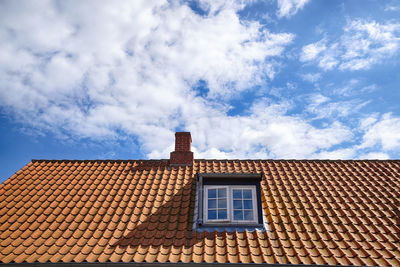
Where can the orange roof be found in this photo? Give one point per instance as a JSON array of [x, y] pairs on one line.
[[318, 212]]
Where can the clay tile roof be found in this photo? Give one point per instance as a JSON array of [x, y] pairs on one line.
[[318, 212]]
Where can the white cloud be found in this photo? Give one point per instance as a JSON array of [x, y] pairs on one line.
[[345, 153], [322, 107], [328, 60], [384, 132], [311, 77], [392, 8], [354, 87], [348, 89], [374, 155], [317, 99], [369, 88], [215, 6], [362, 44], [288, 8], [368, 121], [367, 43], [312, 51], [267, 133]]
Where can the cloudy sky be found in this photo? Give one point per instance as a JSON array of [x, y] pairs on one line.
[[303, 79]]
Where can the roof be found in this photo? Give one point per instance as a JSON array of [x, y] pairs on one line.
[[318, 212]]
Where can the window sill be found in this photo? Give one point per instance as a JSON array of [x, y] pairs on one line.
[[233, 224], [230, 228]]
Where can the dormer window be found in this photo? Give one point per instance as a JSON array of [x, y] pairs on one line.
[[228, 201], [236, 204]]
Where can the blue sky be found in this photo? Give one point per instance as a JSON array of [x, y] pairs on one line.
[[292, 79]]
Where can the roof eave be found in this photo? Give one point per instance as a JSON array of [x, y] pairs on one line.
[[158, 264]]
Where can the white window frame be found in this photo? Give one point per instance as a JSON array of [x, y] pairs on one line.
[[229, 192], [208, 187]]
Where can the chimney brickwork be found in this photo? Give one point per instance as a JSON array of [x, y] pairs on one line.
[[182, 154]]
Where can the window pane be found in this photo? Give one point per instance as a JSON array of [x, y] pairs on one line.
[[237, 204], [212, 214], [222, 214], [248, 215], [221, 192], [222, 203], [247, 194], [248, 204], [237, 193], [212, 203], [237, 215], [212, 193]]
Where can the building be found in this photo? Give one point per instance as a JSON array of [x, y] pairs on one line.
[[201, 212]]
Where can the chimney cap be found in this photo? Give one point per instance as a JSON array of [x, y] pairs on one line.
[[183, 134]]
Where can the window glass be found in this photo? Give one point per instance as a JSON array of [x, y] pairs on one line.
[[237, 194], [247, 204], [248, 215], [246, 193], [217, 204], [237, 204], [222, 203], [212, 193], [212, 214], [222, 214], [212, 203], [242, 204], [237, 215], [221, 192]]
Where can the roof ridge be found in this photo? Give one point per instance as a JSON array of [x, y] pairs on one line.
[[300, 160], [269, 160], [94, 160]]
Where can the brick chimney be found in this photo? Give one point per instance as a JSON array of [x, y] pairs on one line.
[[182, 154]]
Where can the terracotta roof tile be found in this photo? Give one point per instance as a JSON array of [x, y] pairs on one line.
[[318, 212]]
